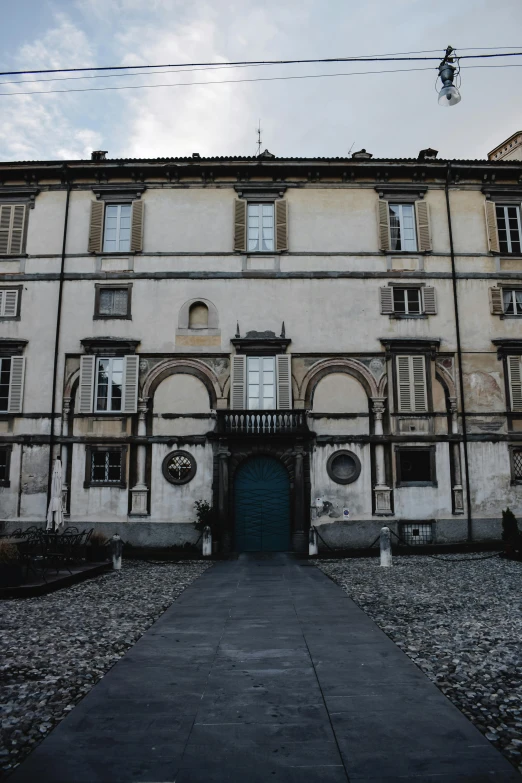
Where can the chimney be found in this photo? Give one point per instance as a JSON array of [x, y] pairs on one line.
[[97, 155], [362, 154], [428, 154], [196, 155]]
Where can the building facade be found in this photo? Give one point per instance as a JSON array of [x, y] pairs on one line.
[[295, 341]]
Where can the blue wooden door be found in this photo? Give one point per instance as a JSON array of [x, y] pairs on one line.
[[262, 506]]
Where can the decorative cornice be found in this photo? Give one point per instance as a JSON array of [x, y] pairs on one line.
[[398, 191], [109, 346], [10, 346], [262, 343], [19, 193], [411, 345], [122, 192], [260, 190], [507, 346]]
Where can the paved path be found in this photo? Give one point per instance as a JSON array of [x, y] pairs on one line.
[[263, 670]]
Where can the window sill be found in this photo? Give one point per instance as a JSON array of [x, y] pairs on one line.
[[402, 484], [115, 254], [10, 318], [402, 316], [13, 257], [510, 317], [8, 484], [113, 484], [112, 318]]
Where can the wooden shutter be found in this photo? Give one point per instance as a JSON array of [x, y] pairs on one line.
[[515, 382], [430, 300], [284, 381], [16, 384], [422, 214], [138, 210], [131, 369], [9, 305], [238, 383], [12, 226], [386, 300], [86, 387], [96, 227], [419, 383], [240, 225], [491, 226], [496, 301], [383, 217], [281, 224], [411, 384]]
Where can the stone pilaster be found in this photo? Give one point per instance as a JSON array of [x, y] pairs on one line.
[[139, 491], [382, 492]]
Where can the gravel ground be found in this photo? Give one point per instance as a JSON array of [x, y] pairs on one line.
[[54, 648], [461, 622]]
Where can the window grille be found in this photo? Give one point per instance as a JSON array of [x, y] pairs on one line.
[[106, 467], [417, 534], [517, 464], [113, 301]]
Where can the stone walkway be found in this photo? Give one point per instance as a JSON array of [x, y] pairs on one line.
[[264, 670]]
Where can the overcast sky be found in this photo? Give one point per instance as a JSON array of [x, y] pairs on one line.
[[391, 115]]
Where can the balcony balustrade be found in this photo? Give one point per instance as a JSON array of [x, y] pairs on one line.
[[270, 422]]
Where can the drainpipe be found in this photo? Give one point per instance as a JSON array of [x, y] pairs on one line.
[[57, 341], [459, 355]]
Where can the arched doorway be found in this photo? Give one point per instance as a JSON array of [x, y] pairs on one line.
[[262, 506]]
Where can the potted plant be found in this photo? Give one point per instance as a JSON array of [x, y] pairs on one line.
[[206, 516], [97, 550], [11, 573]]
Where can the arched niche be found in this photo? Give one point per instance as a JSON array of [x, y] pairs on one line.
[[195, 306], [193, 367], [322, 369], [339, 393], [198, 316], [181, 393]]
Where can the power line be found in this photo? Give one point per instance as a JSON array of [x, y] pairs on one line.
[[242, 81], [371, 58]]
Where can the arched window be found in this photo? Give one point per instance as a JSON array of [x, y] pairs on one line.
[[198, 316]]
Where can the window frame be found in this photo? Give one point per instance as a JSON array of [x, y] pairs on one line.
[[165, 467], [119, 204], [14, 202], [261, 203], [98, 288], [90, 450], [400, 482], [261, 370], [401, 205], [406, 288], [19, 289], [504, 207], [427, 379], [4, 358], [7, 450], [108, 410], [512, 448], [512, 291]]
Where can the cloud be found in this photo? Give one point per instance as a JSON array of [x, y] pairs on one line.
[[33, 127]]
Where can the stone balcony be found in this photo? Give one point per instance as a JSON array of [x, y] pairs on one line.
[[269, 422]]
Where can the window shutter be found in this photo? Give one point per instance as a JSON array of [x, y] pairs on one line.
[[495, 301], [284, 381], [403, 383], [515, 382], [130, 383], [9, 302], [138, 210], [96, 227], [281, 224], [238, 383], [491, 226], [383, 216], [411, 384], [12, 224], [419, 383], [430, 300], [386, 301], [86, 388], [240, 225], [422, 214], [16, 384]]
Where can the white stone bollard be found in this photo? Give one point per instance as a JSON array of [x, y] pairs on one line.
[[386, 553], [207, 542], [313, 548], [116, 549]]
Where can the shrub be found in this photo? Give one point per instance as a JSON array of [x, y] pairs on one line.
[[8, 553], [206, 515]]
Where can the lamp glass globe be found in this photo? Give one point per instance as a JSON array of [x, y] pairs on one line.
[[449, 96]]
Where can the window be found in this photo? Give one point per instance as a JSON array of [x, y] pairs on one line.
[[109, 382], [512, 301], [5, 380], [343, 467], [411, 384], [415, 466], [10, 302], [261, 386], [509, 228], [105, 466], [402, 227], [12, 229], [5, 462], [515, 382], [260, 228], [417, 534], [179, 467], [117, 232], [516, 465], [407, 301], [112, 301]]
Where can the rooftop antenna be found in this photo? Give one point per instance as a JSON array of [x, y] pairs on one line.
[[259, 138], [350, 150]]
